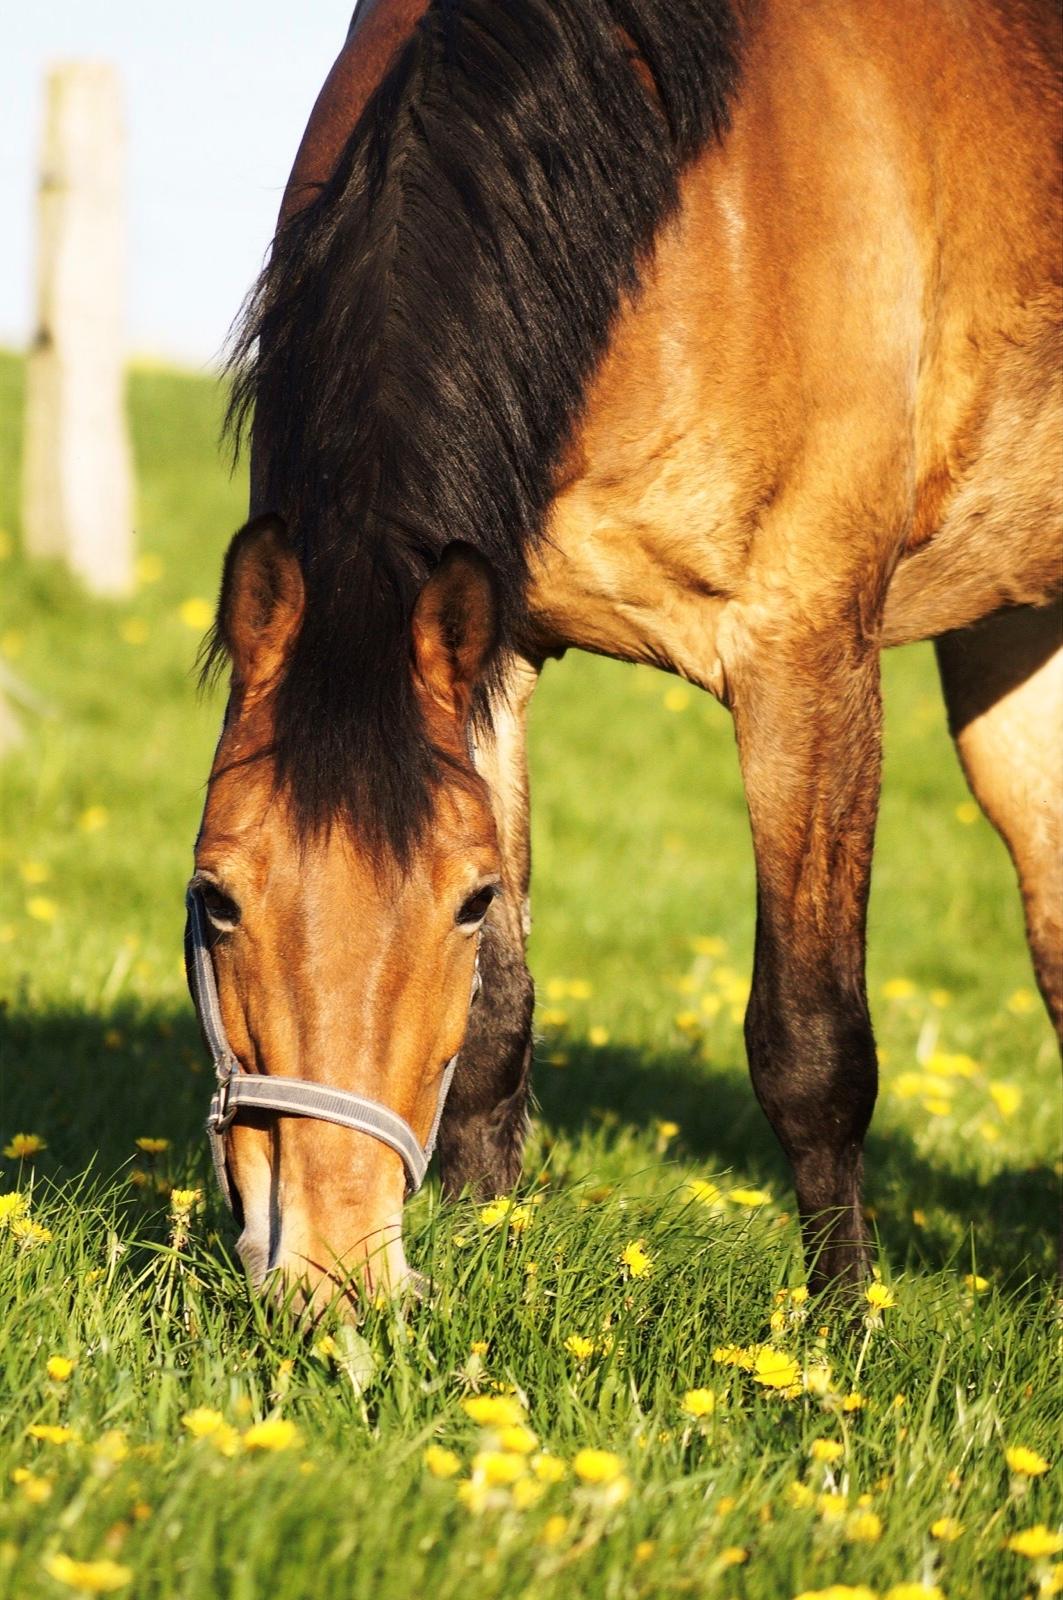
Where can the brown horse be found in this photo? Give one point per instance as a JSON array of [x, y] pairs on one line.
[[716, 334]]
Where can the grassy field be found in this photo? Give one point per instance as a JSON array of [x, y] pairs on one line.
[[698, 1429]]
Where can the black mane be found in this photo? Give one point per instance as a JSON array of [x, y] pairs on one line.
[[417, 349]]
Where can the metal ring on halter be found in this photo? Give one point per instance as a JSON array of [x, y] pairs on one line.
[[291, 1096]]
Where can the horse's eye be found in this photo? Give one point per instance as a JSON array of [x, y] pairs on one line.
[[474, 910], [222, 911]]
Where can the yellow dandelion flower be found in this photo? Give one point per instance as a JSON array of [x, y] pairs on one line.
[[93, 818], [1006, 1097], [750, 1197], [700, 1189], [908, 1085], [775, 1369], [940, 998], [152, 1147], [838, 1592], [133, 630], [23, 1145], [636, 1259], [854, 1402], [919, 1217], [553, 1018], [34, 872], [666, 1129], [711, 1005], [826, 1450], [951, 1064], [498, 1467], [732, 1555], [548, 1469], [597, 1036], [226, 1441], [976, 1284], [580, 989], [202, 1422], [934, 1106], [1021, 1002], [553, 1530], [517, 1439], [863, 1527], [578, 1345], [687, 1021], [1037, 1542], [947, 1529], [441, 1463], [184, 1201], [914, 1591], [676, 699], [832, 1507], [799, 1496], [1025, 1463], [479, 1347], [526, 1492], [967, 813], [60, 1367], [276, 1433], [109, 1450], [735, 1355], [725, 1505], [196, 613], [597, 1466], [35, 1489], [493, 1410], [475, 1495], [31, 1232], [699, 1402], [879, 1297], [898, 989], [87, 1577], [52, 1433], [644, 1550], [41, 909]]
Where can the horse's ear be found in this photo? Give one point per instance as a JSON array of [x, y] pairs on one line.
[[262, 599], [454, 631]]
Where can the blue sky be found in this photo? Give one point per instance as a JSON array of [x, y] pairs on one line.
[[217, 96]]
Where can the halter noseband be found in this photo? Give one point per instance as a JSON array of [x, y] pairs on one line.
[[244, 1091]]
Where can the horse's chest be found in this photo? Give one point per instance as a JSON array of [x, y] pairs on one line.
[[641, 567]]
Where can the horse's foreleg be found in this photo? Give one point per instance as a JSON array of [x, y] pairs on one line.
[[481, 1137], [808, 719]]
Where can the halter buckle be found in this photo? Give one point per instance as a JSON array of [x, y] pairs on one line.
[[223, 1105]]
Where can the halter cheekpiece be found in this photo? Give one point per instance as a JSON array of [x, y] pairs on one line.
[[238, 1090]]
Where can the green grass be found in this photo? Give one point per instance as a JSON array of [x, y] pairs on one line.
[[641, 846]]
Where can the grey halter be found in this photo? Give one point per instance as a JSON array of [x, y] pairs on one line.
[[244, 1091]]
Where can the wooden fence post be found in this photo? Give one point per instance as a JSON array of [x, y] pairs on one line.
[[77, 483]]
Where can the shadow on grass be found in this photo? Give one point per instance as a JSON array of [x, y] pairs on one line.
[[91, 1086], [1006, 1223]]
